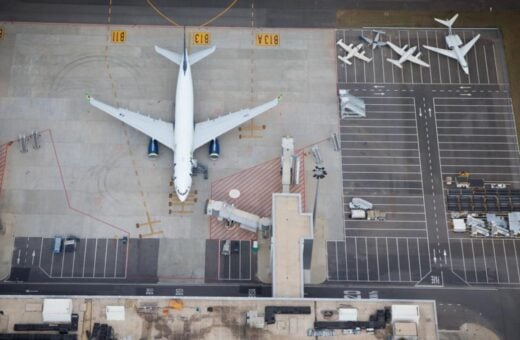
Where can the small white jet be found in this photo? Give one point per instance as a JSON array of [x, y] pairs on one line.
[[352, 51], [184, 137], [457, 49], [376, 42], [406, 54]]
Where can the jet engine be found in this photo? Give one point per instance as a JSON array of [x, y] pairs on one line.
[[153, 148], [214, 149]]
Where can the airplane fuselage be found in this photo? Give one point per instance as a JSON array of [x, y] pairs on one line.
[[183, 131], [461, 59]]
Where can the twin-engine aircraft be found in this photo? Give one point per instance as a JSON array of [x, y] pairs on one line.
[[457, 49], [185, 136], [352, 51], [406, 54]]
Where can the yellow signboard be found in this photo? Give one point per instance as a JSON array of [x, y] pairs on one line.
[[267, 39], [201, 38], [1, 33], [118, 36]]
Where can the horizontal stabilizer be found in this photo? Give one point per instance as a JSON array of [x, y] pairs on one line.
[[175, 57], [345, 60], [198, 56], [448, 23], [395, 62]]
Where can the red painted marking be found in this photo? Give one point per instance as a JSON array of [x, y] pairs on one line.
[[256, 186]]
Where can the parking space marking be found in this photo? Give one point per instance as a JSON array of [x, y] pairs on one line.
[[505, 258], [356, 271], [516, 259]]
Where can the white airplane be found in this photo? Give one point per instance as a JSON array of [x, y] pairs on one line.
[[352, 51], [184, 137], [406, 55], [457, 49], [376, 42]]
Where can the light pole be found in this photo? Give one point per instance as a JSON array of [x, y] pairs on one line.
[[319, 172]]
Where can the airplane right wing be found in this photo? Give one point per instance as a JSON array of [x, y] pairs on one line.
[[154, 128], [210, 129], [447, 53], [465, 49], [418, 61], [362, 56], [369, 41]]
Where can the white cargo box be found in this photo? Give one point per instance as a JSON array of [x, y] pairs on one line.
[[348, 314], [57, 310], [407, 313], [358, 214], [459, 226], [115, 313]]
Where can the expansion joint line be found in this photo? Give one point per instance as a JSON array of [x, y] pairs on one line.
[[125, 128]]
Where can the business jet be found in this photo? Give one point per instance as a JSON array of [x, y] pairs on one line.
[[352, 51], [184, 137], [406, 54], [376, 42], [457, 49]]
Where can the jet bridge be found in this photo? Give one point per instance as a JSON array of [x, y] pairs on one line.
[[224, 211]]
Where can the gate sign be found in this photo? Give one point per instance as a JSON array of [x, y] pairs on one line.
[[201, 38], [267, 39], [118, 36]]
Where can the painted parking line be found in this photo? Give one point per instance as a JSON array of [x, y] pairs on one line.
[[486, 261], [235, 266], [91, 259], [374, 259]]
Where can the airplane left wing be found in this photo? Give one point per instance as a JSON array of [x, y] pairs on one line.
[[447, 53], [396, 49], [154, 128], [210, 129]]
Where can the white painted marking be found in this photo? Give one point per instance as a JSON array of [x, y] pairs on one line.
[[495, 256], [463, 261], [85, 257], [516, 259], [115, 258], [485, 62], [505, 258], [95, 255], [105, 264], [377, 259]]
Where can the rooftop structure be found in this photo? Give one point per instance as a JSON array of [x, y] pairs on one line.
[[291, 230]]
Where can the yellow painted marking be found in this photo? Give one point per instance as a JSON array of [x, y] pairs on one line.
[[252, 128], [201, 38], [178, 207], [171, 21], [118, 36], [267, 39], [1, 33]]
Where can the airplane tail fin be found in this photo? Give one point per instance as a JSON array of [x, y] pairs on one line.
[[448, 23], [395, 62]]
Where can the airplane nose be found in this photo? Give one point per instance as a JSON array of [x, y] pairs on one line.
[[182, 194]]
